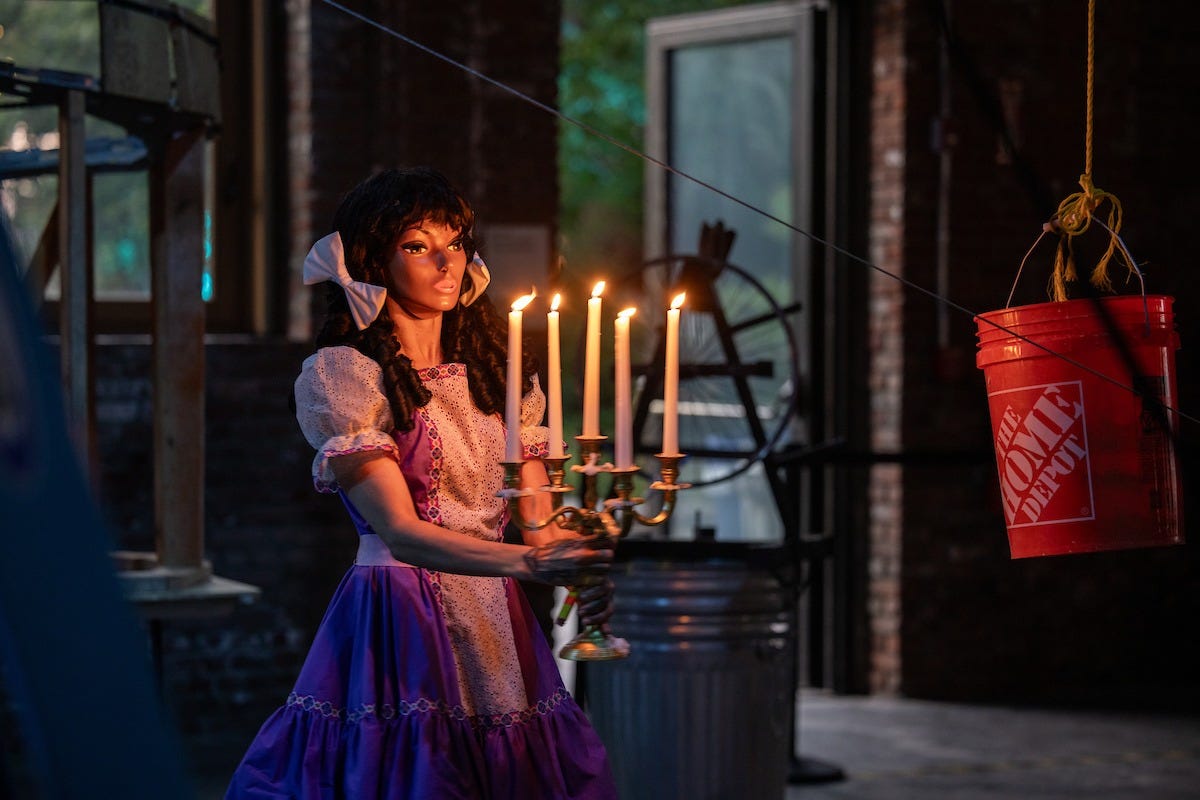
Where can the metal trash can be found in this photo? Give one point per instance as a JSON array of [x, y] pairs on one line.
[[700, 708]]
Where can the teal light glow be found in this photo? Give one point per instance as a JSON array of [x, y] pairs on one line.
[[207, 236], [206, 283]]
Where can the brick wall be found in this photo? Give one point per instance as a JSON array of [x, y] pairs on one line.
[[886, 313], [379, 102], [264, 525], [971, 622], [298, 37]]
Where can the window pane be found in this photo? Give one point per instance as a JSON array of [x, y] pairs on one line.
[[28, 203], [122, 236], [731, 127], [120, 205]]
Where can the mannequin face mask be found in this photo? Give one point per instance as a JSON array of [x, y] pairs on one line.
[[425, 274]]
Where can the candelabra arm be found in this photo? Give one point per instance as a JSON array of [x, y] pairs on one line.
[[626, 505], [664, 513], [567, 517]]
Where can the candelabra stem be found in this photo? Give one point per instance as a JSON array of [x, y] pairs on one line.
[[595, 643], [606, 524]]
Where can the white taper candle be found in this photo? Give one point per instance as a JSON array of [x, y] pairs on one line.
[[512, 404], [554, 380], [670, 437], [591, 367], [623, 423]]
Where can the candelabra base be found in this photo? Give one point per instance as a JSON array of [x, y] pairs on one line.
[[594, 644]]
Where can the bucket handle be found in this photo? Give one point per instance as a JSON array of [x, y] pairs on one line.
[[1047, 227]]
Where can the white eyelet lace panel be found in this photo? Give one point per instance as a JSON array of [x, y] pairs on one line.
[[481, 638], [341, 408], [405, 708]]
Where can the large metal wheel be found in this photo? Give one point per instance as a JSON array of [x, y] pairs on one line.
[[739, 378]]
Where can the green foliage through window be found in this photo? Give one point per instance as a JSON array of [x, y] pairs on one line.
[[601, 83]]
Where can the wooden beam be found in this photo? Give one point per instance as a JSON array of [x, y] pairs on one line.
[[45, 259], [197, 72], [135, 54], [74, 248], [177, 266], [259, 166]]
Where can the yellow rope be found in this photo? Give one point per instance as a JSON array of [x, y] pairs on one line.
[[1074, 215], [1091, 71]]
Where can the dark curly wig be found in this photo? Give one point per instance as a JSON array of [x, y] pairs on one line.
[[370, 220]]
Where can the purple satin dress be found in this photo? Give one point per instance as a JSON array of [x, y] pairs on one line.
[[422, 684]]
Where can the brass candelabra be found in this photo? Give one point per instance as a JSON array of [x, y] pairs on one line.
[[608, 520]]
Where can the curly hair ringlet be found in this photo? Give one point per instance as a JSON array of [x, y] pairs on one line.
[[370, 220]]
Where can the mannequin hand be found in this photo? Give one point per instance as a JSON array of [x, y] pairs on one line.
[[569, 562]]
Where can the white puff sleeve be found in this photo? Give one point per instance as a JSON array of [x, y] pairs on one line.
[[534, 436], [341, 409]]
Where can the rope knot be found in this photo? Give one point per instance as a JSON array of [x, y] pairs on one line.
[[1074, 217], [1075, 213]]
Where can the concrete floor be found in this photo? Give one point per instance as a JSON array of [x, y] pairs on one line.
[[898, 749]]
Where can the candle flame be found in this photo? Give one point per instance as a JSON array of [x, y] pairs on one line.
[[678, 301], [554, 302], [599, 290], [627, 313], [520, 303]]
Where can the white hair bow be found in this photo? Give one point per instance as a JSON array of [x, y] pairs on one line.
[[326, 262], [480, 278]]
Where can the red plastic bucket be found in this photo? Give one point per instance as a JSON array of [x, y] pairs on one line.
[[1084, 464]]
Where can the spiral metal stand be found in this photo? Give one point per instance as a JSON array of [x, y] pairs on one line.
[[606, 521]]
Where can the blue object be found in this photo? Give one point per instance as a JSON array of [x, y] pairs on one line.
[[75, 664]]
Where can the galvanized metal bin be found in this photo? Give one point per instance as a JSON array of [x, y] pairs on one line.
[[701, 706]]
